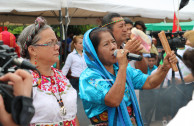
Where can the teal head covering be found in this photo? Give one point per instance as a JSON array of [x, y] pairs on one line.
[[117, 116]]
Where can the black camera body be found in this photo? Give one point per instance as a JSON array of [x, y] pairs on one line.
[[5, 90], [20, 107], [7, 93], [175, 39]]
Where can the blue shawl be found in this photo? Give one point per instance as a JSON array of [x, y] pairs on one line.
[[117, 116]]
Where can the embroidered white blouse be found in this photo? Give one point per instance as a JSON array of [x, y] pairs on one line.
[[47, 109]]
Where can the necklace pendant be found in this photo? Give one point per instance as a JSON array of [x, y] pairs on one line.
[[63, 111]]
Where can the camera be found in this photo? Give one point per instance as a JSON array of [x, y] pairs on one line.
[[175, 39], [20, 107], [5, 90]]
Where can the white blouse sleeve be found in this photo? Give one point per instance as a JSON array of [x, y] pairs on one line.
[[67, 65]]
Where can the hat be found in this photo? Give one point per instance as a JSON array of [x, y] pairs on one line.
[[154, 50], [10, 40], [189, 35]]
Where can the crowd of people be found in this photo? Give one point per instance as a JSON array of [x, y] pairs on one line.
[[113, 89]]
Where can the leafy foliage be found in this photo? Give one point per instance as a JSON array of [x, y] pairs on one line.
[[75, 29], [14, 29]]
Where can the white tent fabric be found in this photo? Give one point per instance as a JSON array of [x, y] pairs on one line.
[[29, 5], [159, 9], [91, 11]]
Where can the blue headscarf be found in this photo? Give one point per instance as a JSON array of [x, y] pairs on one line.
[[119, 113]]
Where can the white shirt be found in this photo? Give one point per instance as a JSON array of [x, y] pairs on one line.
[[47, 109], [185, 116], [76, 62]]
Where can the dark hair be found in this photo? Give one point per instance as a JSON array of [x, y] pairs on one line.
[[94, 36], [141, 23], [108, 18], [189, 60], [128, 21], [152, 55]]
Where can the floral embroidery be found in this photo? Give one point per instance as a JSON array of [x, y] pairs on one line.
[[130, 110], [64, 123], [92, 81], [56, 82], [94, 119], [104, 116], [102, 119]]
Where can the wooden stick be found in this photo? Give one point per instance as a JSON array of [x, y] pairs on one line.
[[166, 47]]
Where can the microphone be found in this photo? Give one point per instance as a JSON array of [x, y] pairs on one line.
[[23, 63], [130, 56]]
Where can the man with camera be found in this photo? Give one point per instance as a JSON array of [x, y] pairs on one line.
[[22, 85]]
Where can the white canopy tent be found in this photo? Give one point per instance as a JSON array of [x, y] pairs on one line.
[[82, 12], [91, 11]]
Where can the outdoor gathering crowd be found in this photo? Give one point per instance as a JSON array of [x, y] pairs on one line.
[[114, 90]]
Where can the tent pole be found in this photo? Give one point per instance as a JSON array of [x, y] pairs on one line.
[[66, 26], [178, 18], [3, 26], [61, 38]]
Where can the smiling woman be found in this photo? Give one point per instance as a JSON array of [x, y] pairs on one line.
[[53, 91]]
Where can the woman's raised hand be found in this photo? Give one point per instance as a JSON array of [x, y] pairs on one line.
[[122, 58]]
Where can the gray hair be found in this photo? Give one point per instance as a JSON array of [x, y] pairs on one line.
[[30, 36]]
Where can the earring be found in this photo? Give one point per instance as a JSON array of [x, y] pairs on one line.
[[35, 62]]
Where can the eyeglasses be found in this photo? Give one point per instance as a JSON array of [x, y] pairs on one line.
[[51, 44]]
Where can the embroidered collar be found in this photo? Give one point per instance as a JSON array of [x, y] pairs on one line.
[[49, 83]]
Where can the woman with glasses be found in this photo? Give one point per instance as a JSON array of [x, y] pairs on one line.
[[75, 61], [54, 98]]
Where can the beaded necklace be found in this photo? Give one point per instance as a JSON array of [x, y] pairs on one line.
[[60, 101]]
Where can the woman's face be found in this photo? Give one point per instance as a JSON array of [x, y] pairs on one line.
[[139, 27], [47, 54], [129, 27], [106, 48], [78, 45]]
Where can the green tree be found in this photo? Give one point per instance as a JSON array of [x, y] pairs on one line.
[[14, 29]]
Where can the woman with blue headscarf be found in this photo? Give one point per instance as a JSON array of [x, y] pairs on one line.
[[107, 85]]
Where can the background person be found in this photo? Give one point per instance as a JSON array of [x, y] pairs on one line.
[[116, 24], [75, 61], [129, 25], [10, 40], [54, 98], [152, 62], [140, 25]]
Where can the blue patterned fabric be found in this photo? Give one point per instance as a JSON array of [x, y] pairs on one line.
[[95, 82]]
